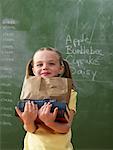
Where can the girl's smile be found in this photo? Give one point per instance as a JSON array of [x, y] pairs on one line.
[[45, 73]]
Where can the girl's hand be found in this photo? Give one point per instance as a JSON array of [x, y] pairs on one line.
[[45, 115], [30, 113]]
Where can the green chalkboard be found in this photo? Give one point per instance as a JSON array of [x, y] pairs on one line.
[[83, 31]]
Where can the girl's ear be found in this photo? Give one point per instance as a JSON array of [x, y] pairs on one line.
[[29, 71], [33, 70], [61, 71]]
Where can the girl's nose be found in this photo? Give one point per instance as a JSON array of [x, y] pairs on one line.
[[45, 66]]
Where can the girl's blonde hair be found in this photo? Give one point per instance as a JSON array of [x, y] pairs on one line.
[[67, 71]]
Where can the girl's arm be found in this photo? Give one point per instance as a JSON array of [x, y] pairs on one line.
[[49, 119], [61, 127], [28, 116]]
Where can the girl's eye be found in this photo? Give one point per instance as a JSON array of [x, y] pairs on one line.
[[39, 65], [52, 63]]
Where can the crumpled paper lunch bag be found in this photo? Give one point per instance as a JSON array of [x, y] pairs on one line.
[[43, 88]]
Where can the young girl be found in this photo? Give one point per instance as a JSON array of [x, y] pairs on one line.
[[48, 62]]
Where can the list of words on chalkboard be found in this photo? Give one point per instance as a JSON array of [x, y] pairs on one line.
[[83, 57], [7, 49]]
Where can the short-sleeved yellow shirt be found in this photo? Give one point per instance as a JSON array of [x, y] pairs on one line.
[[43, 139]]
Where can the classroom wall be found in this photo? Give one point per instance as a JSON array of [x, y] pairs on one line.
[[83, 31]]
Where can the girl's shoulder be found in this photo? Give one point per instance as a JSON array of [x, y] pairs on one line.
[[73, 92]]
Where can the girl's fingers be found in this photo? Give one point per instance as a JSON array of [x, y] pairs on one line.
[[55, 112], [67, 110], [43, 108], [48, 107], [33, 106], [26, 106], [18, 112], [36, 107], [30, 106]]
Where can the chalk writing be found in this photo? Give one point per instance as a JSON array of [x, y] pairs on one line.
[[9, 21], [83, 50], [7, 59], [5, 123], [82, 61], [6, 76], [83, 57], [5, 115], [8, 47], [5, 84], [6, 108], [6, 52], [5, 93], [6, 70], [9, 100], [8, 27]]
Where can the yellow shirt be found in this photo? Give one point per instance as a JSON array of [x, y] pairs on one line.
[[43, 139]]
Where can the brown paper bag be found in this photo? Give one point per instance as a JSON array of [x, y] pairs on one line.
[[41, 88]]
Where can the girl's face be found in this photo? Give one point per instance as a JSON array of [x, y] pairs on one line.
[[46, 64]]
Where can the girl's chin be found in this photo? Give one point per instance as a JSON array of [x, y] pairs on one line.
[[48, 76]]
